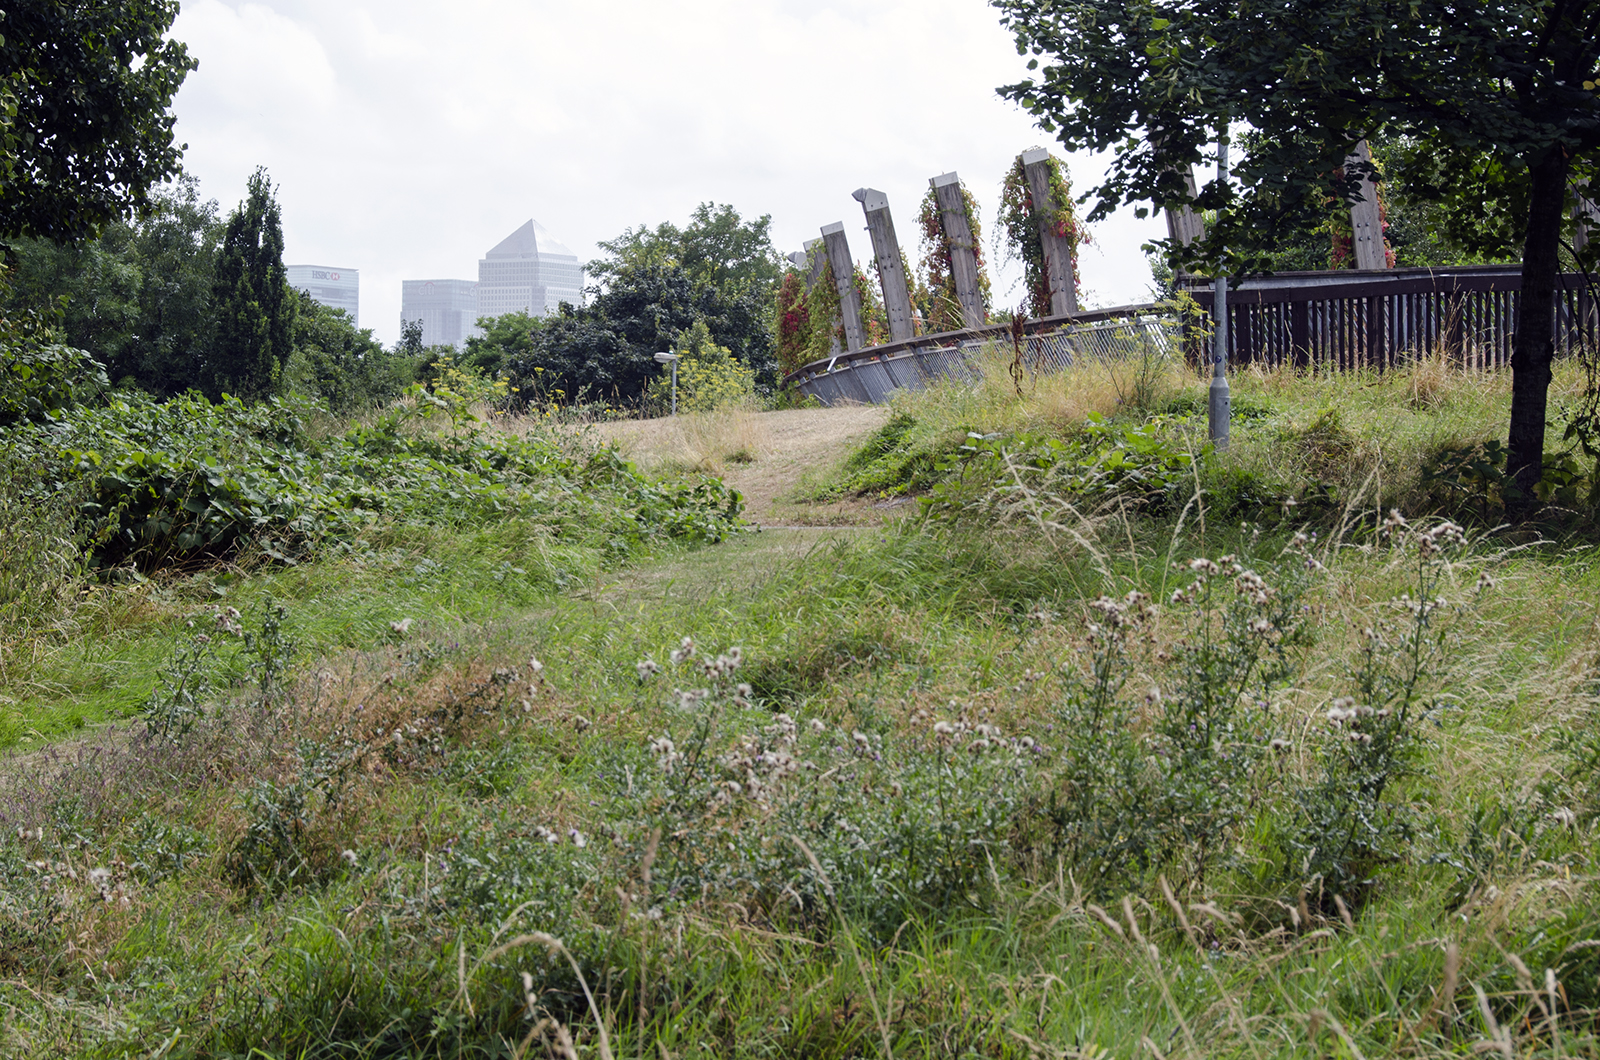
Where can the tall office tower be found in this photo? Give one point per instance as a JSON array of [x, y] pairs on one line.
[[529, 271], [448, 310], [328, 285]]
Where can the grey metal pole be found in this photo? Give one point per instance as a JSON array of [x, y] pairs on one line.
[[1220, 405], [675, 386]]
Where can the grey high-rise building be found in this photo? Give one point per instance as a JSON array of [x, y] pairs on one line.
[[329, 285], [448, 309], [529, 271]]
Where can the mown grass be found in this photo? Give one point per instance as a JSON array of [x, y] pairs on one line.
[[701, 925]]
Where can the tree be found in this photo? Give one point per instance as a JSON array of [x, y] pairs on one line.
[[718, 248], [339, 363], [139, 296], [91, 83], [1510, 83], [254, 306], [603, 351]]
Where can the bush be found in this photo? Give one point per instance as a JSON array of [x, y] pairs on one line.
[[709, 378]]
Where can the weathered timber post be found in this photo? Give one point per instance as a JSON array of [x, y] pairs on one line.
[[844, 278], [1184, 224], [891, 269], [1366, 221], [1059, 267], [963, 252], [1586, 212], [817, 257]]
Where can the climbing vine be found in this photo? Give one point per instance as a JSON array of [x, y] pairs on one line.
[[827, 317], [943, 309], [1020, 227], [792, 315]]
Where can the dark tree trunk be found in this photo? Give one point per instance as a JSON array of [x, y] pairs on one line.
[[1534, 344]]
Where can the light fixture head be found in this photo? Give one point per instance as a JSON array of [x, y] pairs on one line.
[[666, 358]]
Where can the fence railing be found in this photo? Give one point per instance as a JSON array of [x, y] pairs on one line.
[[870, 375], [1328, 321], [1377, 319]]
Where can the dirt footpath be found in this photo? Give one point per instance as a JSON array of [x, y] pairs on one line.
[[767, 456]]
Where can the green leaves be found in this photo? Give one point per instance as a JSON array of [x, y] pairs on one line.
[[173, 481]]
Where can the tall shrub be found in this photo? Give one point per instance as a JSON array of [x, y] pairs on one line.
[[255, 308]]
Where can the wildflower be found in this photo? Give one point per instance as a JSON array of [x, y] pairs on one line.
[[1342, 710], [1260, 626], [943, 728], [818, 726], [1485, 581], [1153, 697], [402, 627], [861, 739], [581, 723], [1279, 744], [1202, 566], [646, 667], [895, 789], [535, 667], [99, 876], [349, 856], [577, 838], [683, 651], [1565, 817]]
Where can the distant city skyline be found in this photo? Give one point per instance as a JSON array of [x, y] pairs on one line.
[[529, 271], [329, 285]]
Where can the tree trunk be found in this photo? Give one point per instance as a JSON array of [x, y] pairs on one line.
[[1534, 344]]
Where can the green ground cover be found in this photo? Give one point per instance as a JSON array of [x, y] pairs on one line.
[[1094, 754]]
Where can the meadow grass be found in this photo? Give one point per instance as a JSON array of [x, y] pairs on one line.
[[367, 858]]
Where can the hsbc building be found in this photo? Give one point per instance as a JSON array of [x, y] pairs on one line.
[[331, 286]]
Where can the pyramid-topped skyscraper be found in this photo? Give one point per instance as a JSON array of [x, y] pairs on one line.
[[528, 271]]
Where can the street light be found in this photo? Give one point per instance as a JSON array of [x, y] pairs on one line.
[[672, 359]]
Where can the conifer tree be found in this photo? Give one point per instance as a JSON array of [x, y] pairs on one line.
[[255, 308]]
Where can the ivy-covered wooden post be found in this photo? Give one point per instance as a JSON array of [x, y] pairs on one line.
[[816, 257], [963, 248], [844, 278], [891, 268], [1366, 219], [1060, 268]]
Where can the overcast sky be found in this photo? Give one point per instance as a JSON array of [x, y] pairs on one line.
[[407, 138]]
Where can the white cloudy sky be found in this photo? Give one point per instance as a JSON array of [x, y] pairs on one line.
[[408, 137]]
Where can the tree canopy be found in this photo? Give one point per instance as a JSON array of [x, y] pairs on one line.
[[1506, 86], [718, 247], [90, 84]]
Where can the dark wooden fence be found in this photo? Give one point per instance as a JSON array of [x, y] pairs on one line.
[[1346, 319]]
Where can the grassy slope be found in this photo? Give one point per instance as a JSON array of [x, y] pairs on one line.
[[378, 952]]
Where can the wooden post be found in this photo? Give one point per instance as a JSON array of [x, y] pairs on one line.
[[1058, 264], [844, 277], [1185, 225], [1366, 222], [891, 269], [963, 251], [817, 257]]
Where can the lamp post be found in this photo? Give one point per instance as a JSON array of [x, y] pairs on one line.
[[672, 359], [1219, 408]]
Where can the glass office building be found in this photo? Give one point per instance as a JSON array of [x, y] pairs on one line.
[[448, 309], [329, 285], [529, 271]]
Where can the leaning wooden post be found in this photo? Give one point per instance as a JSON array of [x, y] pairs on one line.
[[1183, 224], [963, 252], [891, 269], [844, 277], [1366, 221], [1059, 267]]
